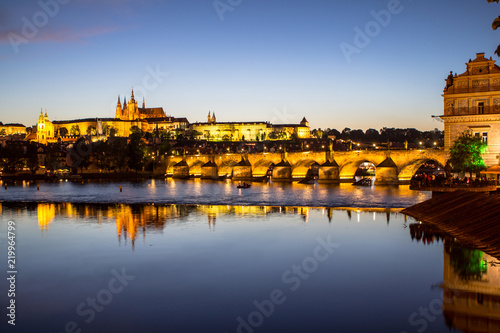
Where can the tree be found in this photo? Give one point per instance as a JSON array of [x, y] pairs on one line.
[[195, 135], [135, 129], [74, 130], [63, 131], [91, 130], [3, 131], [52, 154], [466, 153], [80, 154], [164, 148], [11, 157], [101, 152], [32, 157], [136, 152], [495, 25], [118, 154], [112, 131]]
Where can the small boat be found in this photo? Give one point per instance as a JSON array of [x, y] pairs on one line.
[[308, 181], [363, 182], [244, 185]]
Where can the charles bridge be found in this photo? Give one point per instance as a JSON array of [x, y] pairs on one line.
[[392, 166]]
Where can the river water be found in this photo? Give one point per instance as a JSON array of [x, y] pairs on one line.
[[206, 192], [90, 258]]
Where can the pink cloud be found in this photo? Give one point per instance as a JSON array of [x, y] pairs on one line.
[[61, 35]]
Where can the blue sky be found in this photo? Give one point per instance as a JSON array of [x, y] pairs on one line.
[[247, 60]]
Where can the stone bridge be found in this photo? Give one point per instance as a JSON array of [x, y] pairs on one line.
[[392, 166]]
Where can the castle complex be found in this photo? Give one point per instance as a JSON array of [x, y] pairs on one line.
[[129, 115], [472, 102]]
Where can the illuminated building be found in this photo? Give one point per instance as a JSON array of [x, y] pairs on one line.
[[9, 129], [129, 115], [250, 131], [44, 129], [472, 102], [131, 111]]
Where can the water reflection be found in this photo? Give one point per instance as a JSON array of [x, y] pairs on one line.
[[134, 221], [377, 277], [471, 289], [471, 283]]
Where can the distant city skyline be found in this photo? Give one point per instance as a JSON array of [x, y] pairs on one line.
[[364, 64]]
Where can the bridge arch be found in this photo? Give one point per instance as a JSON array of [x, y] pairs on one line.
[[226, 167], [195, 168], [259, 169], [348, 170], [300, 169], [170, 166], [409, 170]]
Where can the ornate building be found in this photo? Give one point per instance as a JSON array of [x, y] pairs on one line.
[[44, 129], [472, 102], [128, 116], [250, 131], [131, 110]]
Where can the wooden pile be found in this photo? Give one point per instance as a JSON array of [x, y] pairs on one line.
[[472, 218]]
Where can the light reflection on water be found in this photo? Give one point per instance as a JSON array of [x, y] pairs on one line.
[[214, 261], [207, 192]]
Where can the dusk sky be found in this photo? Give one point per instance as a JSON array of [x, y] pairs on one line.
[[247, 60]]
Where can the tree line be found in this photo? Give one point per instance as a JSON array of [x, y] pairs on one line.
[[384, 135]]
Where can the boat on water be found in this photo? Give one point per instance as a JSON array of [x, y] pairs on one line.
[[308, 181], [244, 185], [363, 182]]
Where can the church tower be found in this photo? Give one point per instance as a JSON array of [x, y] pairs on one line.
[[133, 110], [213, 117], [209, 118], [44, 129], [118, 108]]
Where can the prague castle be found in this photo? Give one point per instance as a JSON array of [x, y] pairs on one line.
[[129, 115], [130, 110], [472, 102]]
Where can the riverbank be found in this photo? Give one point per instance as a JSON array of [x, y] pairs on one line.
[[471, 217]]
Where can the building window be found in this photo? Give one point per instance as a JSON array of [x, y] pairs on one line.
[[480, 108], [484, 136]]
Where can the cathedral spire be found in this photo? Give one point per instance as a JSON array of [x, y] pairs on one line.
[[118, 101], [143, 102]]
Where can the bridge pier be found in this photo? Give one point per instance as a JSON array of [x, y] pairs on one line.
[[282, 172], [242, 170], [181, 170], [387, 173], [329, 172], [209, 170]]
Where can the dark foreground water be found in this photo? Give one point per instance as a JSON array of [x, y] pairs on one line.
[[181, 268]]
